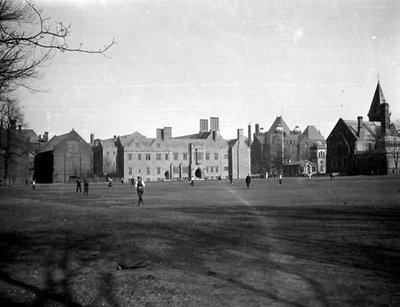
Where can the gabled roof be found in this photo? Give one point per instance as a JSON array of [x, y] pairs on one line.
[[56, 140], [279, 122], [312, 134], [126, 140], [370, 131], [374, 113]]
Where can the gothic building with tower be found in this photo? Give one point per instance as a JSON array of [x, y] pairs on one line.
[[203, 155], [359, 147], [281, 149]]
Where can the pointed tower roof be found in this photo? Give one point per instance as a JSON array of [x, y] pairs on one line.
[[281, 123], [374, 113]]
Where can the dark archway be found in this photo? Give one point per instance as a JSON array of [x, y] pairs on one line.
[[166, 175], [198, 173]]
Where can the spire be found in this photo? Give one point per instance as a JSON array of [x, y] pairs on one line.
[[374, 113]]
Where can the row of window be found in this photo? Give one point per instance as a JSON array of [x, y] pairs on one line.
[[175, 170], [159, 156]]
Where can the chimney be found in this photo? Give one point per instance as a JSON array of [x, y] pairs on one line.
[[203, 125], [159, 133], [214, 122], [360, 119], [167, 133], [240, 134], [249, 133], [257, 129], [46, 136], [92, 138], [385, 119]]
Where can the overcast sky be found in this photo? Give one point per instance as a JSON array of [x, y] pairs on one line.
[[245, 62]]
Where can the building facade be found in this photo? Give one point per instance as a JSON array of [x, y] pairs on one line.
[[280, 145], [204, 155], [359, 147], [63, 159]]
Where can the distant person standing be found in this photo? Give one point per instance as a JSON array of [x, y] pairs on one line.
[[33, 184], [192, 181], [85, 187], [79, 185], [248, 180], [110, 182], [231, 179], [280, 178], [139, 185], [122, 180]]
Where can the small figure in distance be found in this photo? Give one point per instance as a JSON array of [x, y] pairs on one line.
[[33, 184], [79, 185], [280, 178], [110, 182], [85, 187], [192, 181], [231, 179], [139, 185], [122, 180], [248, 180]]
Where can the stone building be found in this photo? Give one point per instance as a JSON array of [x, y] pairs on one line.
[[280, 146], [203, 155], [63, 159], [359, 147]]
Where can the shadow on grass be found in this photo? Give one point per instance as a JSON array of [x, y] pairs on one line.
[[341, 238]]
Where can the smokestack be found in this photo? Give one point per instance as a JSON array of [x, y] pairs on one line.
[[360, 119], [240, 134], [385, 119], [46, 136], [167, 133], [257, 129], [203, 125], [92, 138], [159, 133], [214, 122]]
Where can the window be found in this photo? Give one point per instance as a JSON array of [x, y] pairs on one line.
[[130, 171], [217, 169], [184, 156], [175, 169], [166, 156], [139, 156], [108, 164], [185, 169], [130, 157], [226, 168], [225, 156], [137, 145], [158, 170], [148, 157], [158, 156], [139, 170], [108, 153], [158, 145], [148, 171], [200, 155], [211, 169], [216, 156], [176, 156], [207, 156], [114, 153]]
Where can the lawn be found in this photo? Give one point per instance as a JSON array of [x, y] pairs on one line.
[[317, 242]]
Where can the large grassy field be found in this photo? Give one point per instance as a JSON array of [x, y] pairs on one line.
[[315, 242]]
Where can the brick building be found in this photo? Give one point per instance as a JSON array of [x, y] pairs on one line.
[[280, 146], [18, 148], [64, 158], [358, 147]]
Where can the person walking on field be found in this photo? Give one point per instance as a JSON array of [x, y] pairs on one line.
[[280, 178], [139, 185], [85, 187], [248, 180], [79, 185], [191, 181]]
